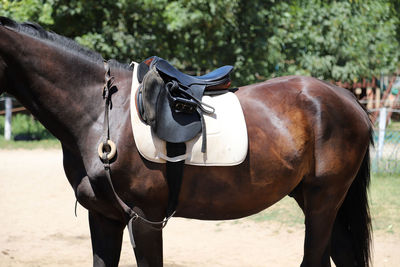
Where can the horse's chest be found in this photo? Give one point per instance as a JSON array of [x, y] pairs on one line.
[[94, 199]]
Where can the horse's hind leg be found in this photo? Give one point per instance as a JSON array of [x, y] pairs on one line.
[[106, 235], [320, 201]]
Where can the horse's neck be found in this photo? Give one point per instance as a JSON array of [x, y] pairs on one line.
[[62, 87], [66, 97]]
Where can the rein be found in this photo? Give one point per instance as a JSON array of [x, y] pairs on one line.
[[107, 152]]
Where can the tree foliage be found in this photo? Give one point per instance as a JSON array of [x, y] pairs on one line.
[[336, 40], [340, 40]]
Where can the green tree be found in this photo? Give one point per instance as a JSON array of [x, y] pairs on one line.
[[340, 40], [395, 12], [35, 10]]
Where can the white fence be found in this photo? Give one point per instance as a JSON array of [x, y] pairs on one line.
[[8, 116], [385, 155]]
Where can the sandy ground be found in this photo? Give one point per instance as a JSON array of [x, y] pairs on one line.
[[38, 227]]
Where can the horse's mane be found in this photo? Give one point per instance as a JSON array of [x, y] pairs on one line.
[[37, 31]]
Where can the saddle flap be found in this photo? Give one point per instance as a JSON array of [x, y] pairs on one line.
[[166, 121], [153, 86], [172, 125]]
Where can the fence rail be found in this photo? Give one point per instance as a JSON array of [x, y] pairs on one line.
[[389, 161], [385, 155]]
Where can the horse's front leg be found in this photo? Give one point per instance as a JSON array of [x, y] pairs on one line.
[[106, 235], [149, 244]]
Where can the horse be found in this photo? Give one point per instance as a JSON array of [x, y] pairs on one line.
[[307, 139]]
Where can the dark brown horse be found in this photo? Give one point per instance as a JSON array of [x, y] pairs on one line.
[[307, 138]]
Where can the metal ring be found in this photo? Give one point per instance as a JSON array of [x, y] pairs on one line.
[[113, 149]]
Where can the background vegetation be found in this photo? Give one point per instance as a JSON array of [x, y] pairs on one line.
[[340, 40], [26, 127]]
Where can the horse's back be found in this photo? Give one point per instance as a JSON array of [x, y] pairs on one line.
[[322, 104], [312, 115]]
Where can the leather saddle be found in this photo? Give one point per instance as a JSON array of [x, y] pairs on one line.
[[170, 101]]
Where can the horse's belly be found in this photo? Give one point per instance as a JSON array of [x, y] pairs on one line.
[[234, 192]]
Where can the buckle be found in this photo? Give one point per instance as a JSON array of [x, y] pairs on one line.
[[183, 105], [177, 100]]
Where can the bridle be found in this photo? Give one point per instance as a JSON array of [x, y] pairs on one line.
[[107, 152]]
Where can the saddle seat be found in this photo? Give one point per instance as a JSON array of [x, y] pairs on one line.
[[211, 80]]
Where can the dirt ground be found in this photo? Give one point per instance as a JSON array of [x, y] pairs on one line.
[[38, 227]]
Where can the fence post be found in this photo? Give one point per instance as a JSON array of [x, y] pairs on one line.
[[7, 122], [382, 126]]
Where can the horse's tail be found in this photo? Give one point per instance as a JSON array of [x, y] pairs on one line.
[[354, 217]]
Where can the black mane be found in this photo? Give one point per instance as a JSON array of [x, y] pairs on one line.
[[37, 31]]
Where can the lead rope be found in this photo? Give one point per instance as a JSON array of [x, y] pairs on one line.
[[107, 151]]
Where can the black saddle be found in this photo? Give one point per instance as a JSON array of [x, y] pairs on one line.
[[170, 101]]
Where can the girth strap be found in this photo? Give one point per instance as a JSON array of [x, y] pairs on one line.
[[174, 174]]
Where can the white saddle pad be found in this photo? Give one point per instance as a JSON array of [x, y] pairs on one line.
[[227, 141]]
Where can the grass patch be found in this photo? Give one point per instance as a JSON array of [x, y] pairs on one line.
[[384, 204], [285, 211], [43, 144], [394, 125]]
